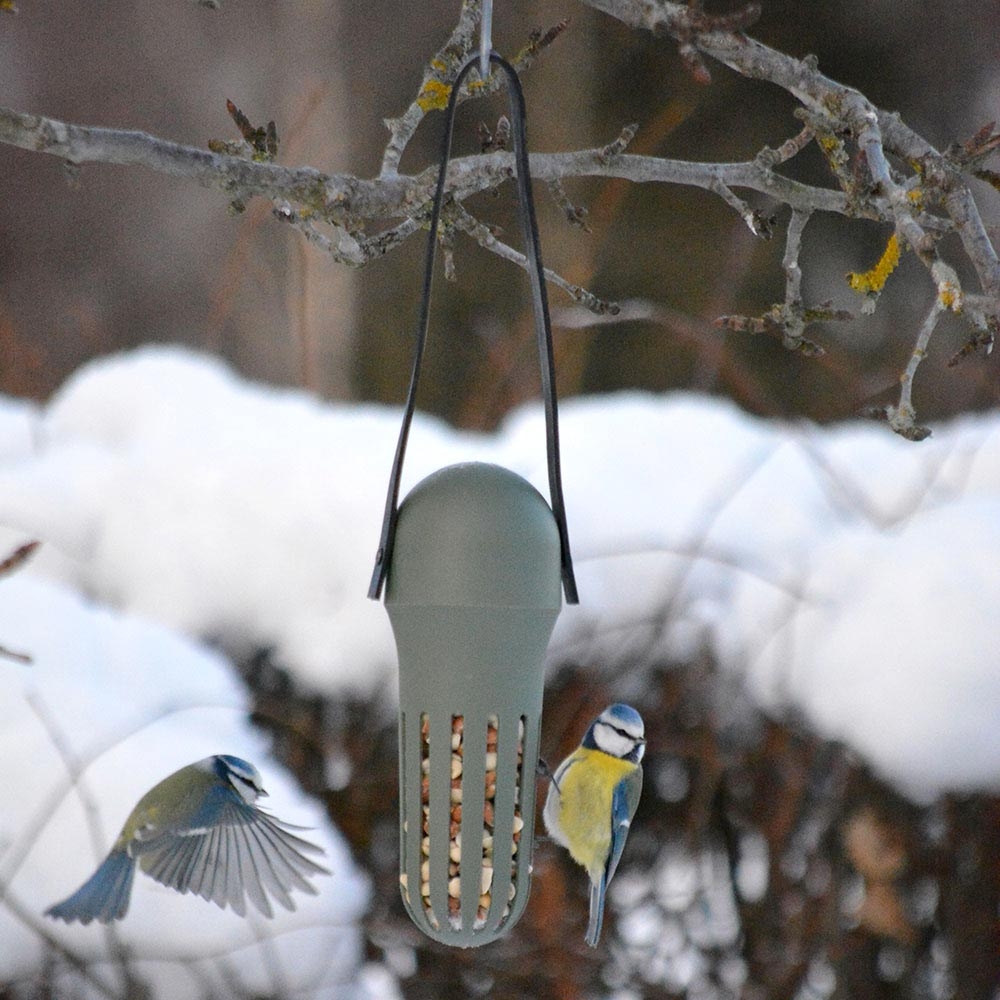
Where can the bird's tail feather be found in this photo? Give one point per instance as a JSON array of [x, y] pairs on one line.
[[103, 897], [597, 890]]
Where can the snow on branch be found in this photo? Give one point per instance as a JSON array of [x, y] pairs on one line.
[[880, 170]]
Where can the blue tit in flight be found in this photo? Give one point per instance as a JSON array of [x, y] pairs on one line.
[[200, 830], [592, 798]]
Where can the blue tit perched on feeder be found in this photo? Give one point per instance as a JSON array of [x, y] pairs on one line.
[[200, 830], [592, 798]]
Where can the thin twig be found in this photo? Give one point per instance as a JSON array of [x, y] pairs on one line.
[[24, 914], [98, 837], [482, 234], [18, 557], [13, 654], [790, 261], [794, 311], [443, 63], [770, 158], [8, 565], [903, 417], [74, 770], [342, 246], [616, 147], [758, 223]]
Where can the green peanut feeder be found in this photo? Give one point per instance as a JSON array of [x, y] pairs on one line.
[[473, 592]]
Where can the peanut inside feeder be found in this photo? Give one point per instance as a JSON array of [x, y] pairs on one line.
[[473, 592]]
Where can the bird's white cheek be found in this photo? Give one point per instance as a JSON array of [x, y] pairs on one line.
[[612, 742]]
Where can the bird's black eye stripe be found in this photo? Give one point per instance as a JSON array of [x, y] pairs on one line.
[[246, 781], [624, 734]]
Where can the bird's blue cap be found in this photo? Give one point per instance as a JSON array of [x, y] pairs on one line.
[[623, 718], [624, 715]]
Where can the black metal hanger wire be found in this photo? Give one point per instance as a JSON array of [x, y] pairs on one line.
[[543, 330]]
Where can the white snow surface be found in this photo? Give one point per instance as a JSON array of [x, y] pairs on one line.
[[850, 577], [110, 705]]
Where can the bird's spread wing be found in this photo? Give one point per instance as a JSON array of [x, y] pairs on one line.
[[624, 802], [228, 851]]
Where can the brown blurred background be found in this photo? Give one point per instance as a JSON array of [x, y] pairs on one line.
[[124, 256]]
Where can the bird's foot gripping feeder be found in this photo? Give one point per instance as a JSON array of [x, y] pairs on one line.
[[473, 561]]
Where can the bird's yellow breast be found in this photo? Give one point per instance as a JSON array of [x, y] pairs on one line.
[[585, 790]]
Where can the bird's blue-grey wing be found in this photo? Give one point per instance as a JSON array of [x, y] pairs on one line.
[[230, 851], [624, 802]]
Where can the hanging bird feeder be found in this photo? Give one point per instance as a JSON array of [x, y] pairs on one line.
[[473, 561]]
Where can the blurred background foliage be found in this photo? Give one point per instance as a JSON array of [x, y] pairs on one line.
[[111, 257]]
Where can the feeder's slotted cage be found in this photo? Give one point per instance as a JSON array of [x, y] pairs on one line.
[[472, 594]]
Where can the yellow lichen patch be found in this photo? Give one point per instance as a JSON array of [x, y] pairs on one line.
[[950, 296], [434, 96], [834, 151], [872, 282]]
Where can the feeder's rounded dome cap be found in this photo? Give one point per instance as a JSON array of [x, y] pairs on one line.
[[475, 535]]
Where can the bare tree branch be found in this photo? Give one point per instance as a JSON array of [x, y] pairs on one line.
[[339, 198], [881, 170], [876, 132]]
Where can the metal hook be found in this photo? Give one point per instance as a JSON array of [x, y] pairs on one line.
[[485, 39]]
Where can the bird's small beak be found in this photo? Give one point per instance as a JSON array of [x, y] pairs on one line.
[[642, 740], [262, 793]]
